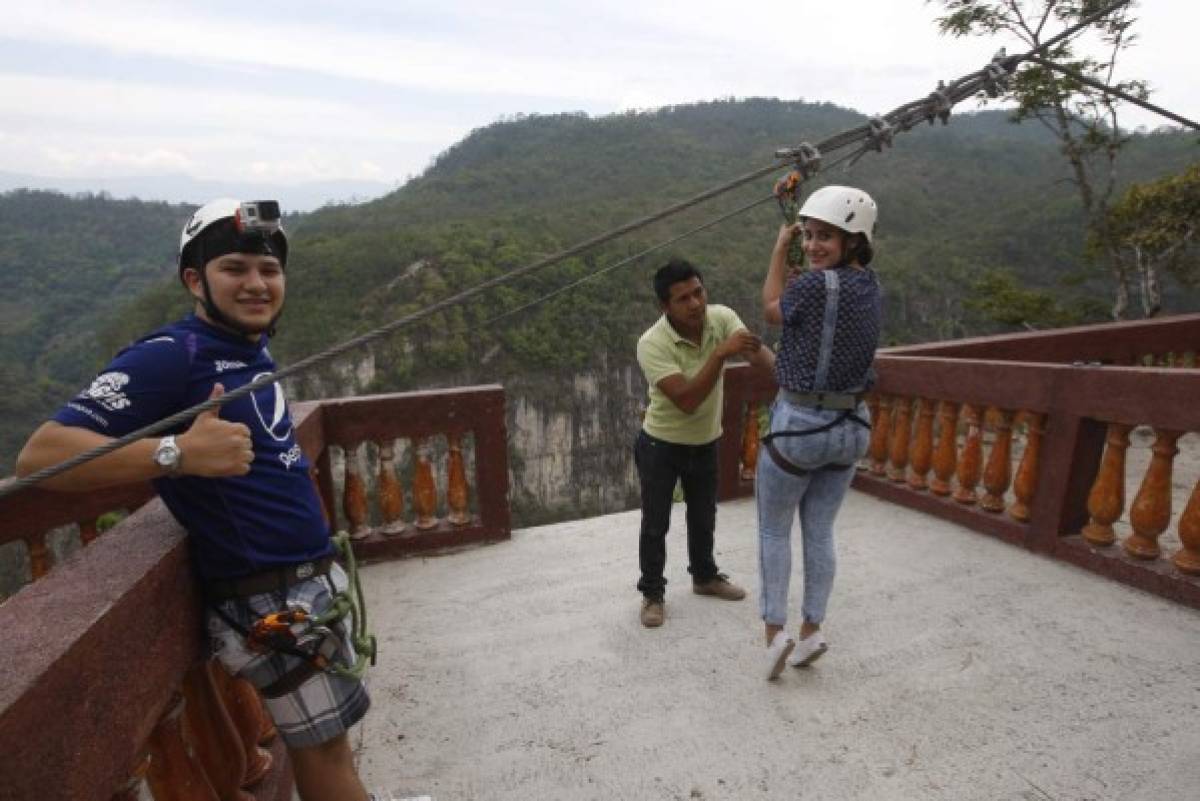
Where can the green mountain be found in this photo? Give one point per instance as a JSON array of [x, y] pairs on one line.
[[67, 267], [958, 202], [979, 197]]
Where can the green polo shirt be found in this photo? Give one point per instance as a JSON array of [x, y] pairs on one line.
[[661, 352]]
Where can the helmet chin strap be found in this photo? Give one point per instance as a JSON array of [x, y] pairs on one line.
[[223, 320]]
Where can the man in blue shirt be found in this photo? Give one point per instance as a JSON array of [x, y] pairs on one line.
[[235, 478]]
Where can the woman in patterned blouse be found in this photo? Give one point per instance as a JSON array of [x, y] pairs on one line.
[[830, 315]]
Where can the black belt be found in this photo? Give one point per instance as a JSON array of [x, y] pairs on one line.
[[836, 401], [277, 580], [783, 464]]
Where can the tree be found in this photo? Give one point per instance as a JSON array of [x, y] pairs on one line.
[[1083, 119], [1002, 298], [1152, 227]]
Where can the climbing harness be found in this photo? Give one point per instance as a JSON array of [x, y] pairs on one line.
[[846, 402], [311, 638], [806, 158]]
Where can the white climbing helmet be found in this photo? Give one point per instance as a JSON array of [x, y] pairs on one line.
[[843, 207], [256, 217]]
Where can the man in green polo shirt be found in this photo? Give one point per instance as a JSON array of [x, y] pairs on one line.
[[683, 357]]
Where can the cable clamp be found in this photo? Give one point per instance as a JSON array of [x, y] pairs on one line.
[[996, 74], [805, 157], [879, 133], [939, 105]]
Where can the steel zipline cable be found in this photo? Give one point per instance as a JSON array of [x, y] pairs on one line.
[[806, 158], [639, 255], [1111, 90]]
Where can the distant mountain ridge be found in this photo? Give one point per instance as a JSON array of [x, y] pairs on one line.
[[298, 197]]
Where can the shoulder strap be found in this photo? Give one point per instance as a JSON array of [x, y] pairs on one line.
[[827, 329]]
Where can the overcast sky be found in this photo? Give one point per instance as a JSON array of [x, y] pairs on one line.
[[374, 89]]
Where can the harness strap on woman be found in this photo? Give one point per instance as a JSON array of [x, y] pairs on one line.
[[848, 402]]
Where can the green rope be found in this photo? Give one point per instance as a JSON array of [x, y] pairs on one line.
[[350, 603]]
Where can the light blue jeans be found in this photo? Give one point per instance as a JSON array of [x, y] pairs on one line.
[[814, 497]]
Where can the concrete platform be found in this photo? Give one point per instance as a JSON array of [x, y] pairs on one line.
[[959, 668]]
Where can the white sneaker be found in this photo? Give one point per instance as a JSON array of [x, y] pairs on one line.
[[808, 650], [777, 653]]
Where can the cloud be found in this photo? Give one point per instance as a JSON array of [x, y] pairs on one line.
[[133, 161], [376, 88], [385, 57]]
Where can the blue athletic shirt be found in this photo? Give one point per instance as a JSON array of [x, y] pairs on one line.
[[239, 525]]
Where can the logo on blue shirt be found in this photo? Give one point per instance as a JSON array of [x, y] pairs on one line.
[[271, 407]]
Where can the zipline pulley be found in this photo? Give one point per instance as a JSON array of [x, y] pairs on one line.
[[805, 158]]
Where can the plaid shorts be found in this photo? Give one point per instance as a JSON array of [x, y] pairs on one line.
[[324, 706]]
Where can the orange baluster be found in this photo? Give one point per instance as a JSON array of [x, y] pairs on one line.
[[1187, 559], [354, 495], [1025, 484], [314, 475], [391, 494], [901, 434], [750, 442], [456, 483], [873, 412], [922, 449], [424, 489], [998, 473], [945, 454], [971, 459], [87, 531], [212, 735], [880, 430], [1151, 510], [39, 556], [246, 711], [1106, 499], [173, 773]]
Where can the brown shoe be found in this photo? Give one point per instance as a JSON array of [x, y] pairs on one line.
[[652, 612], [721, 587]]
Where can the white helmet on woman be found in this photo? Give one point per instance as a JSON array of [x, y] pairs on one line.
[[844, 207]]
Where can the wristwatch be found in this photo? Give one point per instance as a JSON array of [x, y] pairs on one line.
[[168, 456]]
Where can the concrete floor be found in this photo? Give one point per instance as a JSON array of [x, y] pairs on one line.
[[959, 668]]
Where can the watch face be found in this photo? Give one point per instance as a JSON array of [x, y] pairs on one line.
[[167, 454]]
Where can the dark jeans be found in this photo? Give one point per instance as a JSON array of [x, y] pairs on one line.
[[660, 464]]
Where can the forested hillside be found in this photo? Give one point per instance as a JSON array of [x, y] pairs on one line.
[[67, 266], [963, 207]]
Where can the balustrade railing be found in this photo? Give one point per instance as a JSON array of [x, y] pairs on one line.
[[105, 691], [32, 518], [415, 471], [1027, 437], [748, 394]]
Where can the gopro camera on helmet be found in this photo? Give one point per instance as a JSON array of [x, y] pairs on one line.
[[257, 215]]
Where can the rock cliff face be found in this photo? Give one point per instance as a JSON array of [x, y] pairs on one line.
[[570, 444], [570, 436]]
